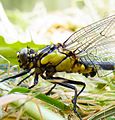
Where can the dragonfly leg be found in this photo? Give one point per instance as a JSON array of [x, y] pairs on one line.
[[74, 100], [35, 81], [68, 83], [17, 75], [63, 80], [48, 93], [25, 79]]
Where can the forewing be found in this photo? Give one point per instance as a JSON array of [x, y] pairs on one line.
[[90, 35], [94, 42]]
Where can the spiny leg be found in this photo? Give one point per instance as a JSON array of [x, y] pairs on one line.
[[67, 83], [83, 84], [35, 81], [17, 75], [25, 78], [74, 100], [48, 93], [63, 80]]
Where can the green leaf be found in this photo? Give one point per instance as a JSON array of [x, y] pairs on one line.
[[9, 50], [20, 90], [53, 102]]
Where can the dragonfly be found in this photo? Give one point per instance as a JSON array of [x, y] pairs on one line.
[[86, 51]]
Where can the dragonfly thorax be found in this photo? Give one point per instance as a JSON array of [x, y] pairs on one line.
[[26, 58]]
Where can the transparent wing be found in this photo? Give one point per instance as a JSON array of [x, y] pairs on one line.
[[95, 42]]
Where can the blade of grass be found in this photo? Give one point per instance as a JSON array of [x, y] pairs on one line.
[[104, 113]]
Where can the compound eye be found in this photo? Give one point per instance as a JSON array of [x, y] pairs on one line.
[[24, 51], [23, 58]]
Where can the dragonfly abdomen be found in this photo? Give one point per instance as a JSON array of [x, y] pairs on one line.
[[107, 66], [101, 65]]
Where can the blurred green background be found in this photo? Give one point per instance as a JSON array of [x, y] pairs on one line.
[[52, 5], [27, 5]]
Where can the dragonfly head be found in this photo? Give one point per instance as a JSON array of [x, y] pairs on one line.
[[26, 58]]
